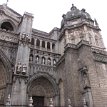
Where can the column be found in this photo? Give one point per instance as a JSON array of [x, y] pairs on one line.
[[41, 44], [51, 46]]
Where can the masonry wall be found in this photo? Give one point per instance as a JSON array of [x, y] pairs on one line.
[[93, 69]]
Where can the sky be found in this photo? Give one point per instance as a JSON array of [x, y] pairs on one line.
[[48, 13]]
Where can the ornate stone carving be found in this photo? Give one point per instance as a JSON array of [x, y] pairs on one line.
[[84, 73], [25, 38], [8, 101], [69, 103], [99, 57], [19, 68], [84, 102], [8, 36], [24, 69], [51, 102], [30, 102]]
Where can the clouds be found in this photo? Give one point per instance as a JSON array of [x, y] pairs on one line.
[[48, 13]]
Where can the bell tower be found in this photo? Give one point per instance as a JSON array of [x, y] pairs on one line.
[[78, 25]]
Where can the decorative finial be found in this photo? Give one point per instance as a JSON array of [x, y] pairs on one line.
[[73, 7], [7, 2], [51, 102], [83, 10], [96, 23], [63, 16]]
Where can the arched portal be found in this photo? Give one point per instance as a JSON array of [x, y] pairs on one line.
[[5, 77], [2, 82], [42, 88]]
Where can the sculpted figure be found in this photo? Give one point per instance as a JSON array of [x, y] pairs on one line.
[[24, 70], [49, 61], [86, 81], [19, 67]]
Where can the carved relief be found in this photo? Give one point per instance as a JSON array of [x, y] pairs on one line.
[[21, 69], [11, 37], [84, 74], [25, 38], [24, 69]]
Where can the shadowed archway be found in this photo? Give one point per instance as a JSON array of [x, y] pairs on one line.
[[42, 87]]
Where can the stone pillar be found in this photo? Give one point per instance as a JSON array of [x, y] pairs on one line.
[[35, 43], [51, 46], [46, 45], [56, 100], [41, 44], [19, 80]]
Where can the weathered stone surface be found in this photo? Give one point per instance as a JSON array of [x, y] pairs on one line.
[[68, 63]]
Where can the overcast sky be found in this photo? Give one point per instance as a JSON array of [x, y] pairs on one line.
[[48, 13]]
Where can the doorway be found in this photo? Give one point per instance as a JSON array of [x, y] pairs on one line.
[[38, 101]]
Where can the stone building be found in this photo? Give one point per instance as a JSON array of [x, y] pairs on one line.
[[67, 65]]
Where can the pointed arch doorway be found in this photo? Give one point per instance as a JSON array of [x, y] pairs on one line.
[[42, 89]]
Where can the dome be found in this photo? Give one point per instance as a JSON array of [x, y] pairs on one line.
[[76, 13]]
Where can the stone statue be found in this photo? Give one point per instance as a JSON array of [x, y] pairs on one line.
[[51, 102], [8, 101], [43, 60], [23, 36], [18, 68], [31, 58], [86, 81], [73, 7], [37, 59], [84, 102], [30, 102], [69, 103], [49, 61], [24, 70]]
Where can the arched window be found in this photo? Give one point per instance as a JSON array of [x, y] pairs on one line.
[[37, 59], [38, 42], [7, 26], [48, 45], [43, 44], [43, 60], [49, 61], [32, 41], [31, 57], [53, 46]]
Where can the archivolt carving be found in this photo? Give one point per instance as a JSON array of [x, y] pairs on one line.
[[48, 77]]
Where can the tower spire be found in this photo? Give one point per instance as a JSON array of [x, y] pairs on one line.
[[7, 2]]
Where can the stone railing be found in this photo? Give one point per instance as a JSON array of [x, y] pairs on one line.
[[41, 68]]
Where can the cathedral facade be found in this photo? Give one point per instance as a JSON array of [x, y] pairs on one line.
[[65, 67]]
